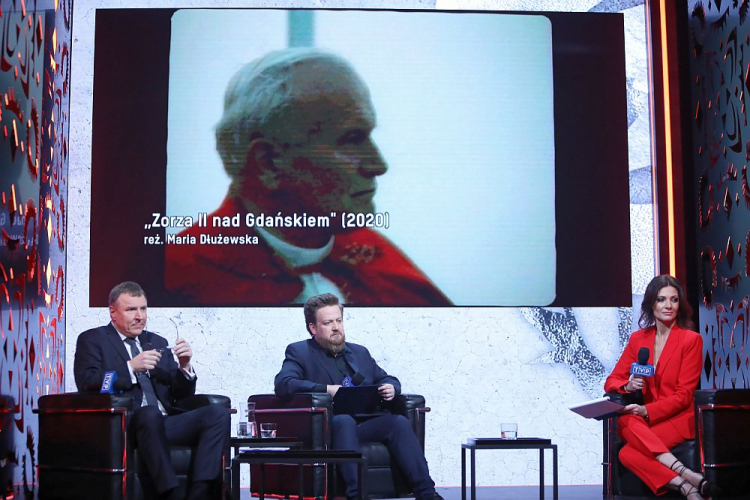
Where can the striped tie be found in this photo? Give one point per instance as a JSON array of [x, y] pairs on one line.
[[144, 380]]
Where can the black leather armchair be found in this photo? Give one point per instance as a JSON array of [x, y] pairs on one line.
[[723, 431], [85, 451], [721, 450], [7, 446], [620, 483], [306, 417]]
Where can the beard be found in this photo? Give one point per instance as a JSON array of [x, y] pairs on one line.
[[335, 346]]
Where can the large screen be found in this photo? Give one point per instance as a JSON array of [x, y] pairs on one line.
[[257, 157]]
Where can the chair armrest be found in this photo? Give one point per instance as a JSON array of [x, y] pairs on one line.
[[84, 430], [304, 416], [403, 404], [730, 397], [295, 401], [722, 433], [627, 398], [83, 401], [201, 400]]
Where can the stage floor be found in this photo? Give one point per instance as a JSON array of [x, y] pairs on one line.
[[588, 492]]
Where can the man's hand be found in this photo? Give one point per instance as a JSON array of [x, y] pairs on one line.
[[184, 353], [332, 389], [387, 392], [147, 360]]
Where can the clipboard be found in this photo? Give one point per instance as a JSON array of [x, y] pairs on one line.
[[598, 408], [356, 400]]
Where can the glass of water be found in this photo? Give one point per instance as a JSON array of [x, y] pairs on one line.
[[268, 430], [509, 431], [246, 429]]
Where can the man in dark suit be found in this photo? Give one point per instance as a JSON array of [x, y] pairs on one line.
[[326, 362], [146, 368]]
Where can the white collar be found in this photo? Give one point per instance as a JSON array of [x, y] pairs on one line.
[[293, 255], [125, 337]]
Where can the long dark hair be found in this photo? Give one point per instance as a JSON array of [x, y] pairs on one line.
[[685, 312]]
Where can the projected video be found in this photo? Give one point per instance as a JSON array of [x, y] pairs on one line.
[[390, 158]]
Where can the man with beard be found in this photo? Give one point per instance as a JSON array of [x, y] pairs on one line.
[[295, 139], [324, 363]]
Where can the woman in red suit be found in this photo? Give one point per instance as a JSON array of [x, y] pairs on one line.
[[666, 417]]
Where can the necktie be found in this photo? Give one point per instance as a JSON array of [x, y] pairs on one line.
[[143, 379]]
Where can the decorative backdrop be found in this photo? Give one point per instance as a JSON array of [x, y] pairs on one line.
[[477, 367], [34, 103], [720, 70]]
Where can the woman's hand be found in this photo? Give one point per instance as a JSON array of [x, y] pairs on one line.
[[634, 384], [637, 410]]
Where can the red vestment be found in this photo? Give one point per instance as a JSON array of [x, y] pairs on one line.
[[364, 265]]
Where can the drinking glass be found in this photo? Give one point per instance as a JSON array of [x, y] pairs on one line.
[[268, 430], [509, 431]]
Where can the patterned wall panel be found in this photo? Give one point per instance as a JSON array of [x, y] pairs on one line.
[[34, 103], [720, 73]]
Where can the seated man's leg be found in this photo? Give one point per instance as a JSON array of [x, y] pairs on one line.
[[147, 424], [207, 429], [396, 433], [344, 437]]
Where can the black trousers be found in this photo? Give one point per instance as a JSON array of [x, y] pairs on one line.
[[206, 429], [397, 435]]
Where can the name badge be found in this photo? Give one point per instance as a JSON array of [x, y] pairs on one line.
[[108, 384], [347, 382]]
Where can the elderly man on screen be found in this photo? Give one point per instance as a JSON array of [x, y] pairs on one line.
[[146, 368], [324, 363], [296, 140]]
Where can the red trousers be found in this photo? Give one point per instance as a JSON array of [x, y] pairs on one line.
[[644, 443]]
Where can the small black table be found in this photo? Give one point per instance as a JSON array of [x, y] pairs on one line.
[[508, 444], [237, 442], [294, 456]]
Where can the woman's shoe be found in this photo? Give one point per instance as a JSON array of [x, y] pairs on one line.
[[689, 490], [707, 488]]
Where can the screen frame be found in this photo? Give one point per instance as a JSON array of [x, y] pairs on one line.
[[591, 154]]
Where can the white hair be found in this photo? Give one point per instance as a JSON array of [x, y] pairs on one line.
[[257, 98]]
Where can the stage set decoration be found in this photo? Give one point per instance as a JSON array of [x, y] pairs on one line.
[[720, 69], [34, 104], [490, 357]]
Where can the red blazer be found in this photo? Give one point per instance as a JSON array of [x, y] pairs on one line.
[[365, 266], [669, 394]]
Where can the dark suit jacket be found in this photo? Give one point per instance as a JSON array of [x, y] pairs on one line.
[[668, 395], [305, 367], [101, 350]]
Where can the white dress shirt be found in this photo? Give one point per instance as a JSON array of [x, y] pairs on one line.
[[189, 374]]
